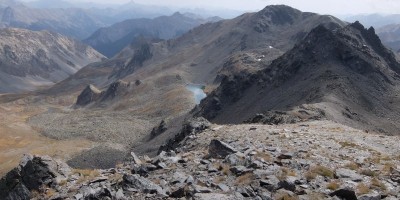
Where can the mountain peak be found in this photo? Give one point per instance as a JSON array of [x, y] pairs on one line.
[[279, 14], [279, 8], [178, 14], [357, 25], [373, 40], [351, 45]]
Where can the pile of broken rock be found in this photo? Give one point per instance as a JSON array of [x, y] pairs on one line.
[[206, 167]]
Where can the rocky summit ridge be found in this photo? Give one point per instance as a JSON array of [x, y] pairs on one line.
[[345, 75]]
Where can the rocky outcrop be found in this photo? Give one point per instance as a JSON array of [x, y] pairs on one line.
[[296, 115], [232, 91], [88, 95], [118, 88], [33, 174], [160, 129], [93, 95], [219, 149], [375, 42], [141, 54], [190, 127]]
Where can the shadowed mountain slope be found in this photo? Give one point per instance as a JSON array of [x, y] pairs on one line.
[[346, 75]]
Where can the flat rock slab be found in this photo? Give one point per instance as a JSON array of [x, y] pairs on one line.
[[219, 149], [142, 184], [350, 174], [215, 196]]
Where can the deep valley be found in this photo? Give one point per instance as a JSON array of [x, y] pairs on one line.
[[274, 104]]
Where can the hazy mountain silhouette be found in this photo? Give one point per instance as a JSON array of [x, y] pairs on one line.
[[113, 39]]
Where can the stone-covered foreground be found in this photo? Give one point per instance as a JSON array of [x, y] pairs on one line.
[[313, 160]]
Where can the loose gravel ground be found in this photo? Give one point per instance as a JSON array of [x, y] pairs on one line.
[[98, 126]]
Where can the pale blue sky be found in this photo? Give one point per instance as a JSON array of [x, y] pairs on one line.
[[319, 6]]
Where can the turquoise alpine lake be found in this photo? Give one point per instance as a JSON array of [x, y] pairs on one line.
[[197, 91]]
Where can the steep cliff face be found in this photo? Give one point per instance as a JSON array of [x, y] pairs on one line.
[[30, 59]]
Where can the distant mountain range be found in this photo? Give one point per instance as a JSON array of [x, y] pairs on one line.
[[66, 18], [375, 20], [50, 4], [29, 59], [71, 22], [390, 35], [111, 40], [131, 9], [80, 20]]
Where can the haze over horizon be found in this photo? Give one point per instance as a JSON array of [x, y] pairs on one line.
[[338, 7]]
